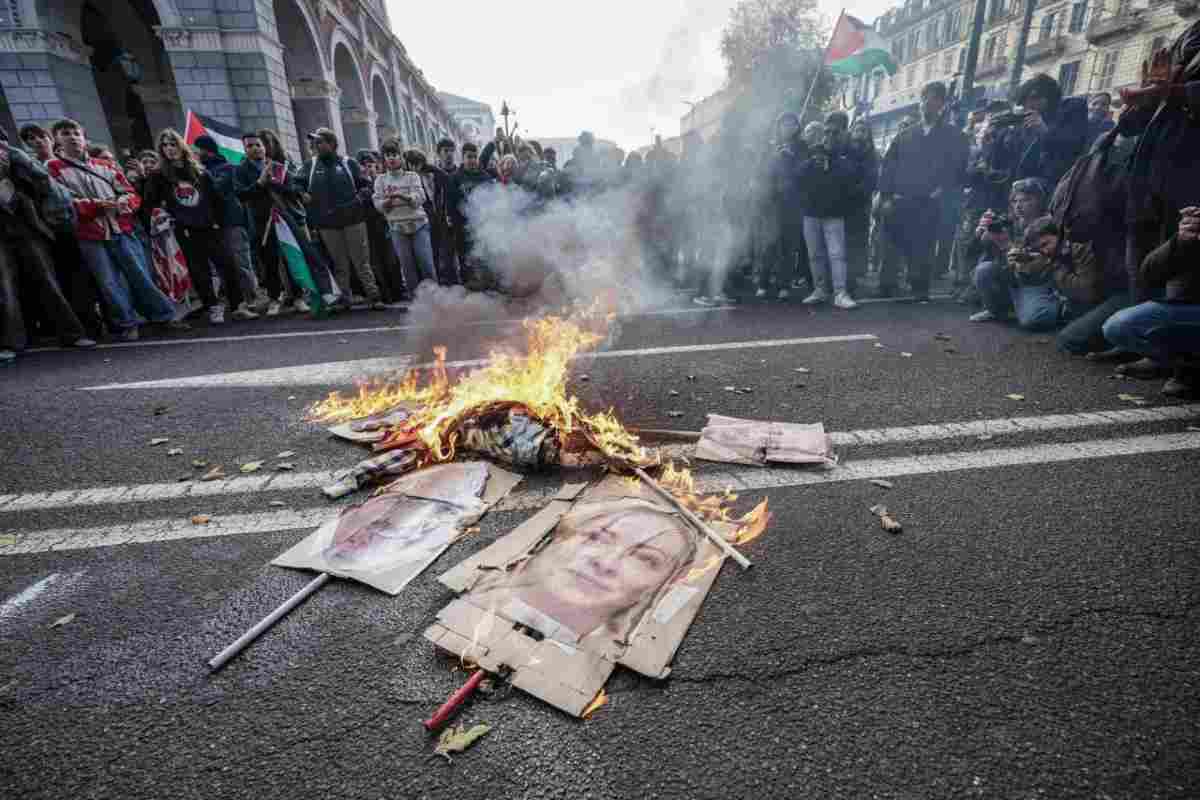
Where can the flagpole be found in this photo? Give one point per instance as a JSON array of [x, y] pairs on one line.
[[821, 66]]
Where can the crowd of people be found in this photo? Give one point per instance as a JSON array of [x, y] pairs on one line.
[[1045, 212]]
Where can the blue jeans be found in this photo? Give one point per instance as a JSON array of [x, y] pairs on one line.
[[1084, 332], [119, 267], [1036, 306], [826, 240], [415, 252], [1166, 332]]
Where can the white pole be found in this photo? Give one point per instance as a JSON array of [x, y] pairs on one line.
[[220, 659]]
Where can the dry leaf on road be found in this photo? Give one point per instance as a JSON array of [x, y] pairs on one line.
[[802, 370], [1015, 396], [65, 620], [160, 410], [882, 483], [214, 474], [159, 440], [285, 466], [456, 740], [941, 337], [675, 414], [251, 466], [175, 451], [7, 538], [286, 454], [201, 519], [886, 520], [906, 355], [276, 504], [672, 393], [199, 463]]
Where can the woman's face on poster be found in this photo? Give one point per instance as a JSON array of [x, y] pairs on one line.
[[612, 562], [377, 529]]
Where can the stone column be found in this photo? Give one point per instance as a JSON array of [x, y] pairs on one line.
[[359, 127], [47, 76], [201, 73], [316, 104], [163, 107]]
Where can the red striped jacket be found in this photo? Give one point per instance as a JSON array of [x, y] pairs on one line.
[[103, 182]]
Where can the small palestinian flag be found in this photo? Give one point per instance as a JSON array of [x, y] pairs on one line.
[[227, 137], [297, 266], [855, 48]]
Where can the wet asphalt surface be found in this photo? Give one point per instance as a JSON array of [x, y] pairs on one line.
[[1031, 633]]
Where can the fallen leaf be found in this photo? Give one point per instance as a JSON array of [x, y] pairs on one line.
[[799, 385], [214, 474], [941, 337], [158, 441], [458, 739], [285, 466], [879, 344], [597, 703], [802, 370], [731, 388], [7, 539], [183, 479], [886, 520], [747, 389], [949, 350], [160, 410], [286, 454], [276, 503], [65, 620], [291, 397], [201, 519], [906, 355], [251, 466], [1130, 398], [672, 393], [675, 414], [199, 463], [175, 451], [691, 377], [882, 483], [1015, 396], [985, 437], [108, 361]]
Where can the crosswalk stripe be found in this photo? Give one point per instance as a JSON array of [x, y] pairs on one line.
[[291, 481], [742, 479], [335, 372]]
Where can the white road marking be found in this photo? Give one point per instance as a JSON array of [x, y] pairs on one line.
[[742, 478], [669, 312], [13, 605], [336, 372], [291, 481]]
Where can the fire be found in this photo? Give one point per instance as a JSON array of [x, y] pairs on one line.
[[597, 703], [753, 524], [535, 383]]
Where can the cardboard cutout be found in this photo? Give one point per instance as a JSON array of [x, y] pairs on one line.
[[611, 577]]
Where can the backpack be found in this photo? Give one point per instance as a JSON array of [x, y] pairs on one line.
[[1089, 201]]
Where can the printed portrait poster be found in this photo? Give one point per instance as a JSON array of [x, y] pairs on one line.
[[603, 567], [392, 537]]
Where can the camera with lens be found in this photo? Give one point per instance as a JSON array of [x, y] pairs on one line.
[[1009, 119], [999, 224]]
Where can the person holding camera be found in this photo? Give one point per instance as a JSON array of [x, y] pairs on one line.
[[1054, 130], [833, 182], [922, 164]]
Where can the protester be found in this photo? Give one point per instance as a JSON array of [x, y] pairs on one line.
[[440, 176], [184, 190], [388, 274], [337, 211], [26, 258], [471, 176], [400, 195], [1083, 285], [921, 164], [1007, 281], [833, 182], [787, 198], [1100, 119], [861, 150], [237, 226], [1055, 130], [39, 142], [106, 205]]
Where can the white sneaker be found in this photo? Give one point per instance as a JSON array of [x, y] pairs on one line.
[[301, 306], [216, 315], [329, 298], [844, 301], [983, 316], [761, 293], [261, 301], [273, 309], [817, 297], [243, 312], [784, 294]]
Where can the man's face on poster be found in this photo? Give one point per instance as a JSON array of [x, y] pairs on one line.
[[381, 529]]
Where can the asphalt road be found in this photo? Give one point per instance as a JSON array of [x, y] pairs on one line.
[[1031, 633]]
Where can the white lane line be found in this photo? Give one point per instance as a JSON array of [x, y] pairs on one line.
[[18, 601], [743, 478], [669, 312], [347, 371], [281, 482]]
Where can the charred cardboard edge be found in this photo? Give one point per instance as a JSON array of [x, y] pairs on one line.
[[565, 677], [499, 483]]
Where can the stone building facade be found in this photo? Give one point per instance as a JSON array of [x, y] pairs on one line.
[[128, 68], [1089, 46]]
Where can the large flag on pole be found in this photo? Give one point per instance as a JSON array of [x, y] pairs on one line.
[[293, 256], [855, 48], [227, 137]]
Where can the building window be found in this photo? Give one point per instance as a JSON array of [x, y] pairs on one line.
[[1078, 14], [1068, 74], [1048, 22], [1108, 67], [989, 50]]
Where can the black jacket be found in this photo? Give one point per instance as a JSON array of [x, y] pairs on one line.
[[192, 204], [336, 189], [1173, 266], [259, 199], [916, 165], [462, 183], [232, 213], [833, 182], [1049, 155]]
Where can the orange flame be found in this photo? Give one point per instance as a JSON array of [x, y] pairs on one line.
[[598, 701], [536, 382], [753, 524]]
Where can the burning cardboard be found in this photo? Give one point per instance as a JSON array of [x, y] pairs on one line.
[[608, 576], [742, 441]]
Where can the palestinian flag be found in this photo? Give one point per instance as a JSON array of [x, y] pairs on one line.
[[227, 137], [855, 48], [297, 266]]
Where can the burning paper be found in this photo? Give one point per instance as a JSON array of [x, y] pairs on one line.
[[392, 537], [743, 441]]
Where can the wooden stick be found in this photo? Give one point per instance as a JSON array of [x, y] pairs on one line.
[[457, 699], [218, 661], [663, 435], [696, 522]]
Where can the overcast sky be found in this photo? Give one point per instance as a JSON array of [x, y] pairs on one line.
[[618, 68]]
